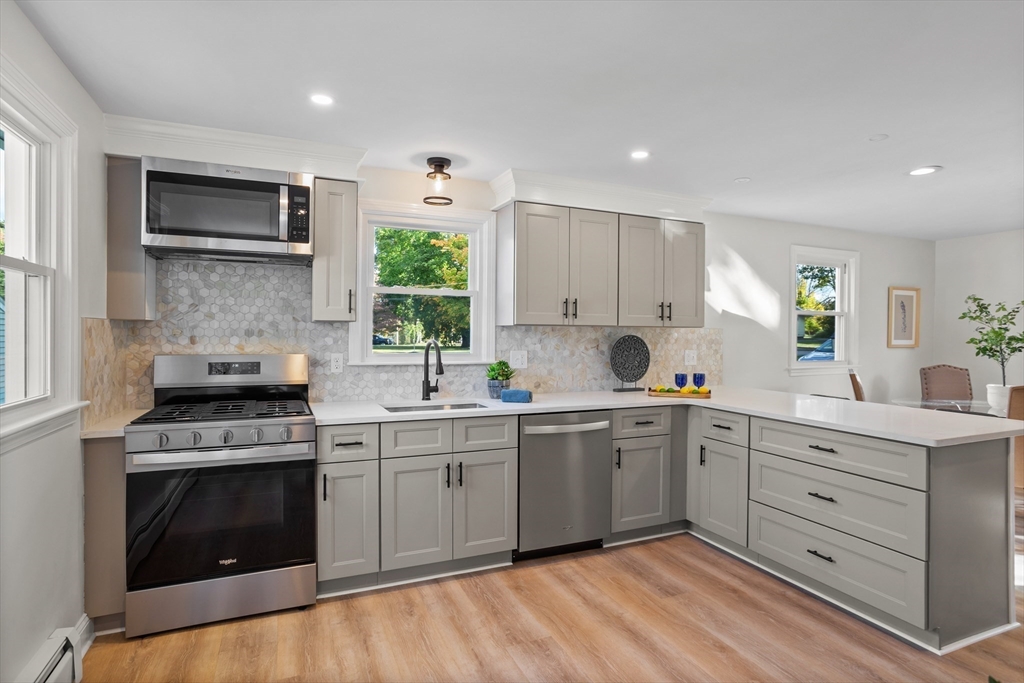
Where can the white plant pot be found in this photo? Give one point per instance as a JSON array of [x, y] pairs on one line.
[[998, 397]]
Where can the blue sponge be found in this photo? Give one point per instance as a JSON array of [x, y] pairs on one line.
[[516, 396]]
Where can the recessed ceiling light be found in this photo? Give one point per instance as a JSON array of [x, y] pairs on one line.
[[742, 180], [640, 154], [878, 138], [322, 99], [925, 170]]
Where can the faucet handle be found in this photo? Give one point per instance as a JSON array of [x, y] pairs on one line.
[[433, 388]]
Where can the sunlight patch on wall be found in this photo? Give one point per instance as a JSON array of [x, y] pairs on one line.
[[736, 288]]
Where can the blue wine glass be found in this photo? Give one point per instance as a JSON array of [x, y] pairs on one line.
[[680, 379], [698, 379]]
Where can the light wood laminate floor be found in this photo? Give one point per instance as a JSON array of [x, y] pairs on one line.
[[669, 609]]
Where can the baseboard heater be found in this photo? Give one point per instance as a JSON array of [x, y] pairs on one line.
[[59, 660]]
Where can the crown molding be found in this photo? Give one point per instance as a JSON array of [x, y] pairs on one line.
[[545, 188], [134, 137]]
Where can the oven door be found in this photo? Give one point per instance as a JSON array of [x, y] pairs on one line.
[[192, 206], [194, 515]]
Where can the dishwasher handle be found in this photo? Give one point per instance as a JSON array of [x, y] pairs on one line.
[[566, 429]]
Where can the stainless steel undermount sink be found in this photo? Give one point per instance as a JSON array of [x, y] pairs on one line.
[[433, 406]]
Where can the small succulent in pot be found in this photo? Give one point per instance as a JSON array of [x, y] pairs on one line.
[[499, 375]]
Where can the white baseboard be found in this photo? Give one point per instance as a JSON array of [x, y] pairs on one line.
[[86, 634]]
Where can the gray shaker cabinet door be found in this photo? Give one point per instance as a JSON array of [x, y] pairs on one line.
[[684, 274], [593, 267], [415, 511], [641, 271], [723, 489], [640, 482], [335, 226], [542, 265], [485, 502], [348, 529]]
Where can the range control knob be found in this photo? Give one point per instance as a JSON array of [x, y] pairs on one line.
[[256, 435], [286, 433], [193, 438], [226, 436], [160, 440]]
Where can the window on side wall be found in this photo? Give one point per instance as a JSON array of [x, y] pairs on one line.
[[823, 323], [26, 278], [424, 277]]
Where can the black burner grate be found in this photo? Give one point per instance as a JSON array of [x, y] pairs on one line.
[[223, 410]]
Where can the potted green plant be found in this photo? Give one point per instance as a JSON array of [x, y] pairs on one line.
[[499, 375], [994, 340]]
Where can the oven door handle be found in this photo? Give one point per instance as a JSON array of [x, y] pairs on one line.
[[283, 452]]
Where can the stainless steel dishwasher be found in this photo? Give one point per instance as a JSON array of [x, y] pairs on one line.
[[565, 479]]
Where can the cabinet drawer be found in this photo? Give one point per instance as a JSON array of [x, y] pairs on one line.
[[882, 578], [423, 437], [347, 443], [882, 513], [485, 433], [641, 422], [727, 427], [898, 463]]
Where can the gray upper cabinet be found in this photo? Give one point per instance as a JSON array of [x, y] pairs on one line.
[[485, 491], [641, 271], [347, 519], [415, 511], [335, 240], [593, 261], [661, 272], [684, 274], [723, 489], [541, 281], [640, 482]]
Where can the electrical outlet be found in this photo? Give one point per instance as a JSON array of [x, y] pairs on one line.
[[690, 357], [337, 363], [517, 358]]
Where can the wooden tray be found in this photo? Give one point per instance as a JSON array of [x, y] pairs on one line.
[[659, 394]]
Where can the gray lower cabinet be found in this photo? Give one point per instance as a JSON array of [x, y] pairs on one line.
[[348, 519], [415, 511], [640, 482], [723, 489], [485, 502]]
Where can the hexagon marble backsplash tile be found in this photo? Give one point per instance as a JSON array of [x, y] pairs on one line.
[[206, 307]]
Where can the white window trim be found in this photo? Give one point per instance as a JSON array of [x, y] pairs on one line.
[[847, 342], [24, 106], [480, 225]]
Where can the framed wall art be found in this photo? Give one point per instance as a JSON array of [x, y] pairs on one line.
[[904, 317]]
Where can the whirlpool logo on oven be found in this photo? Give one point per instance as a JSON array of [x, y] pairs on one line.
[[228, 561]]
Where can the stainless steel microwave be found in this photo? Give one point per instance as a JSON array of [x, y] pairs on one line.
[[196, 210]]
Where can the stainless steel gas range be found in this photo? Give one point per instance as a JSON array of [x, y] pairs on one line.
[[221, 499]]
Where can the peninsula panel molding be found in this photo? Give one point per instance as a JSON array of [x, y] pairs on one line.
[[545, 188]]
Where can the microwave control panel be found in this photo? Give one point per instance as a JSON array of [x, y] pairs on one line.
[[298, 214]]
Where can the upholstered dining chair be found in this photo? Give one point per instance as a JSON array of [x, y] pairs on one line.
[[945, 383], [1015, 411], [858, 386]]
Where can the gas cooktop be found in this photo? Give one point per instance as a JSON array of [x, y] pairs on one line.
[[223, 410]]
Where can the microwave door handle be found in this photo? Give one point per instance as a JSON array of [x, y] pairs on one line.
[[282, 231]]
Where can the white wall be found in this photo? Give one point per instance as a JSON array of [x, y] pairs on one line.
[[23, 45], [991, 266], [748, 287], [402, 186]]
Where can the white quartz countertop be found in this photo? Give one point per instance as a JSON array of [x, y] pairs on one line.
[[113, 426], [909, 425]]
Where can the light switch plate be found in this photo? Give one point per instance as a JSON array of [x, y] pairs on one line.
[[690, 357], [517, 358], [337, 362]]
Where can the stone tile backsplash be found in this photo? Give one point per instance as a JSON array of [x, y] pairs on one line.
[[206, 307]]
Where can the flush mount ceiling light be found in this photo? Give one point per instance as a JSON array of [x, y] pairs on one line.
[[878, 138], [321, 99], [926, 170], [741, 180], [640, 154], [436, 184]]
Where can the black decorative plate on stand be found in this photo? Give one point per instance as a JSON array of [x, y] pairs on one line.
[[630, 360]]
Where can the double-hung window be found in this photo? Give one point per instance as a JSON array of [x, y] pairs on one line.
[[425, 275], [26, 277], [823, 332]]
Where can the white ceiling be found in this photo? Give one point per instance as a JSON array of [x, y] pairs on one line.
[[785, 93]]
